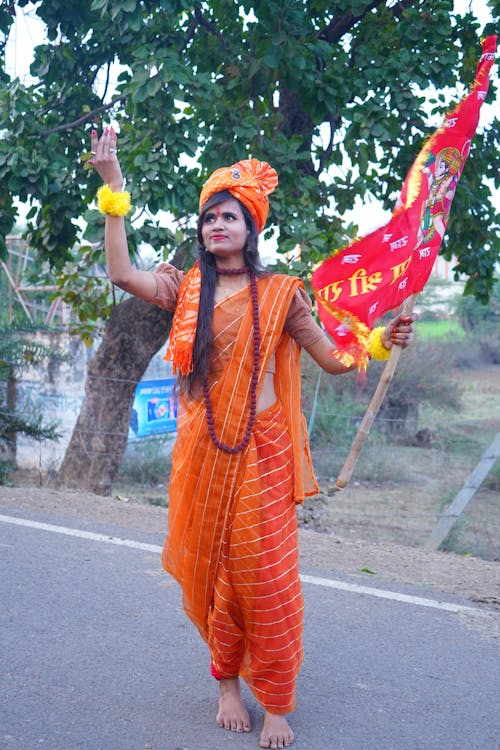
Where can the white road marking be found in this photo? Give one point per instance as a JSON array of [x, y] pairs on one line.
[[383, 594], [81, 534], [313, 580]]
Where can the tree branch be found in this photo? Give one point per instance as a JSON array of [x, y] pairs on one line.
[[84, 118], [108, 70], [337, 27], [324, 157], [200, 20], [340, 26], [189, 35], [211, 27]]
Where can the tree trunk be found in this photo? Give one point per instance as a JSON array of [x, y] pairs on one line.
[[11, 437], [134, 333]]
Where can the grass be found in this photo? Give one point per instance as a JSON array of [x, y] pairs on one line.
[[439, 329], [492, 481]]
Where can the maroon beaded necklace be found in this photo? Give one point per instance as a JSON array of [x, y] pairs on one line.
[[255, 371]]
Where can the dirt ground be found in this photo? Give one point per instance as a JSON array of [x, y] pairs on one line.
[[374, 529], [398, 491]]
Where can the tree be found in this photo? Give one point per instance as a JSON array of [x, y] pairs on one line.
[[331, 95], [135, 331], [19, 351]]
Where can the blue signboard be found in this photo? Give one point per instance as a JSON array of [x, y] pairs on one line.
[[155, 408]]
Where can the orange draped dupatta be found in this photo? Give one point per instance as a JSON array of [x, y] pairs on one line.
[[207, 484]]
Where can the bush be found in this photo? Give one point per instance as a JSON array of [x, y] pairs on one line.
[[146, 461], [474, 350], [18, 350], [422, 376], [336, 417], [489, 349], [6, 468], [473, 315]]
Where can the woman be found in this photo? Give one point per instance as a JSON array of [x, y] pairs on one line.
[[241, 460]]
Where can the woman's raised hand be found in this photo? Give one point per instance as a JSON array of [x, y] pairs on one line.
[[104, 158]]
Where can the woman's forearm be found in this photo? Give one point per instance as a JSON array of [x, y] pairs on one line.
[[120, 270], [116, 247]]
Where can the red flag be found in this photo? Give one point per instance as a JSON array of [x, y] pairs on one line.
[[376, 273]]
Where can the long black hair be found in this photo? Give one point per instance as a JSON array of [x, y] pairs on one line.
[[190, 384]]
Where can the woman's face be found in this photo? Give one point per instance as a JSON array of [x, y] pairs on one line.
[[224, 230]]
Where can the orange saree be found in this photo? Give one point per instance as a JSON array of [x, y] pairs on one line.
[[232, 528]]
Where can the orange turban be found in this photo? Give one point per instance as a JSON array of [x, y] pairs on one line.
[[250, 181]]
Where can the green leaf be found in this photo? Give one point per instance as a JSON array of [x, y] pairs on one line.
[[364, 569], [208, 94]]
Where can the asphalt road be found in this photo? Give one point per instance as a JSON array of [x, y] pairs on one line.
[[96, 654]]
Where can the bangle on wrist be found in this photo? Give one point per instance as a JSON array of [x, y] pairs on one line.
[[113, 204], [376, 348]]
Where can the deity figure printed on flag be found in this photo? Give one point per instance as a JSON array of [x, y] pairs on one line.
[[365, 279]]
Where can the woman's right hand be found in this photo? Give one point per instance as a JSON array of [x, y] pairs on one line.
[[120, 270], [104, 158]]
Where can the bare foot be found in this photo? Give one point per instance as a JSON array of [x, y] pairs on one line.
[[276, 732], [232, 713]]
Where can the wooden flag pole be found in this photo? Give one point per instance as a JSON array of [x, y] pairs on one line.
[[374, 406]]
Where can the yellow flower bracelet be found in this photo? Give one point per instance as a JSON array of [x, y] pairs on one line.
[[376, 349], [113, 204]]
